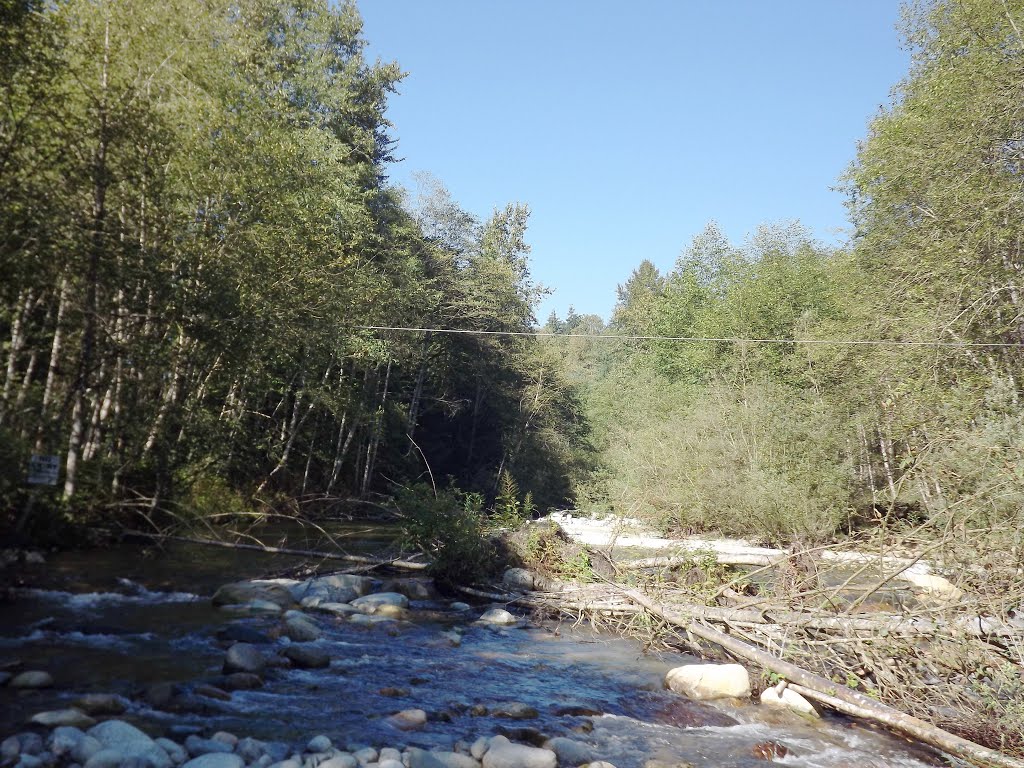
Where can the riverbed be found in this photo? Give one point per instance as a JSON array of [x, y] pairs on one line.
[[139, 623]]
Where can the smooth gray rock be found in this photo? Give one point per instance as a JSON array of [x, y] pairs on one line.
[[101, 704], [336, 609], [389, 753], [479, 747], [709, 681], [314, 598], [304, 656], [389, 763], [117, 733], [319, 744], [408, 719], [498, 616], [518, 578], [504, 754], [33, 678], [120, 741], [337, 586], [373, 603], [340, 760], [197, 746], [224, 736], [10, 748], [85, 749], [215, 760], [243, 657], [242, 592], [413, 588], [461, 607], [300, 628], [62, 717], [174, 750], [366, 755], [514, 710], [286, 764], [365, 618], [30, 761], [420, 758], [250, 749], [64, 739], [277, 750], [115, 757], [569, 751]]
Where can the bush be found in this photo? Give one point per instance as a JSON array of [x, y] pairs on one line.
[[762, 461], [448, 527]]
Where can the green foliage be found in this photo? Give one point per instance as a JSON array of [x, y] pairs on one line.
[[449, 528], [508, 511], [547, 551], [211, 498], [195, 216]]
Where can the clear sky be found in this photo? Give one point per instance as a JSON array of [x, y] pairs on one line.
[[626, 126]]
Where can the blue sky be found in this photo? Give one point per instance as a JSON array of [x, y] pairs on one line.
[[626, 126]]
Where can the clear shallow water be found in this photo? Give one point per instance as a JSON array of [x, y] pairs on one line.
[[99, 632]]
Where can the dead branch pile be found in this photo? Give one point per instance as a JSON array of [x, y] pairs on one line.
[[950, 668]]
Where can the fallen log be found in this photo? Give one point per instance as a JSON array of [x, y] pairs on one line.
[[362, 559], [888, 624], [837, 696], [913, 571]]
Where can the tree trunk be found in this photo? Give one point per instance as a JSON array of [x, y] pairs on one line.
[[374, 442], [477, 401], [417, 392], [91, 308], [55, 350], [24, 306]]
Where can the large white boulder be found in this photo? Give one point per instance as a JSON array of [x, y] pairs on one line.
[[120, 741], [788, 699], [380, 602], [502, 753], [498, 616], [709, 681]]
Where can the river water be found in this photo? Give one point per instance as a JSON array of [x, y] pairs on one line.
[[136, 622]]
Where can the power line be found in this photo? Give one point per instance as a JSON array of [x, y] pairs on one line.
[[629, 337]]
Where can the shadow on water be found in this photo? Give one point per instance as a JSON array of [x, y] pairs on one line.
[[128, 620]]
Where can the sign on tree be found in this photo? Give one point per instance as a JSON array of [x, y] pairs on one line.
[[43, 470]]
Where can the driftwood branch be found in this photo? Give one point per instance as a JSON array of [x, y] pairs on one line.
[[837, 696], [361, 559]]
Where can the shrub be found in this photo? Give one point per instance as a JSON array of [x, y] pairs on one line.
[[449, 528]]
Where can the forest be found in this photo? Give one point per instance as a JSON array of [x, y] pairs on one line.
[[197, 228], [203, 263], [215, 305]]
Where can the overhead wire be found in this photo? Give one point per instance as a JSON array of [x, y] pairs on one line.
[[698, 339]]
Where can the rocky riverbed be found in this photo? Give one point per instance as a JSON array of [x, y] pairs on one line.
[[345, 671]]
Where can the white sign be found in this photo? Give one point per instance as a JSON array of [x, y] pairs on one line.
[[43, 470]]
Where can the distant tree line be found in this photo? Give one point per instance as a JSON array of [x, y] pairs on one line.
[[785, 441]]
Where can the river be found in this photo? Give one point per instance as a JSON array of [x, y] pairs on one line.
[[138, 622]]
